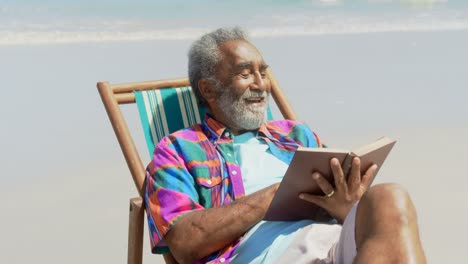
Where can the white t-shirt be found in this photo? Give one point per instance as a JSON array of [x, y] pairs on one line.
[[266, 241]]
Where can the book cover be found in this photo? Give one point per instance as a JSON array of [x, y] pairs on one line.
[[287, 206]]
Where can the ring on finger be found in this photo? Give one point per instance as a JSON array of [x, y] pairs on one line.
[[330, 194]]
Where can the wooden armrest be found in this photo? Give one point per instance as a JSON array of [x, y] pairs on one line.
[[135, 234], [135, 231]]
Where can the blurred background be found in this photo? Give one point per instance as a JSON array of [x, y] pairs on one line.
[[353, 70]]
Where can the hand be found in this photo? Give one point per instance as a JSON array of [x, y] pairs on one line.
[[339, 201]]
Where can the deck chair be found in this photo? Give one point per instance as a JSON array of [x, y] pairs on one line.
[[156, 124]]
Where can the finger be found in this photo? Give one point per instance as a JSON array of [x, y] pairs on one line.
[[338, 174], [369, 175], [315, 199], [354, 177], [324, 185]]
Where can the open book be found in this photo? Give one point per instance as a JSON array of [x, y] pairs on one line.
[[286, 205]]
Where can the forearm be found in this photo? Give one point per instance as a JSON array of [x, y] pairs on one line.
[[200, 233]]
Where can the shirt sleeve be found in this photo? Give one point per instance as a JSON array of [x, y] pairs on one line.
[[170, 193]]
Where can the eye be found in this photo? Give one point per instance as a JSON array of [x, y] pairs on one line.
[[263, 71], [245, 74]]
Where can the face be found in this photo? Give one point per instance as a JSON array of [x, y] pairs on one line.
[[242, 89]]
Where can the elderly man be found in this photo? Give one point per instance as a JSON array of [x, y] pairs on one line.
[[209, 186]]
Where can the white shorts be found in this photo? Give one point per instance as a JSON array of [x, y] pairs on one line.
[[324, 243]]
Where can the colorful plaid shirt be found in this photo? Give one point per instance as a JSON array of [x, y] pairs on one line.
[[194, 168]]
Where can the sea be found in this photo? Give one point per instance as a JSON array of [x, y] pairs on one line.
[[34, 22]]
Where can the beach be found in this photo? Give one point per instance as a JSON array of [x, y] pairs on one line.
[[65, 185]]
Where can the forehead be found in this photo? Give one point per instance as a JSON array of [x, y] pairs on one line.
[[240, 51]]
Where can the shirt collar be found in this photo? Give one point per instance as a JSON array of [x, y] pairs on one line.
[[263, 131], [212, 128]]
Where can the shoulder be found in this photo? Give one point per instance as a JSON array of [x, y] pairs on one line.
[[192, 134], [182, 144], [286, 126], [296, 130]]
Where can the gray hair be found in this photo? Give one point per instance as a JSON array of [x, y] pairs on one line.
[[204, 56]]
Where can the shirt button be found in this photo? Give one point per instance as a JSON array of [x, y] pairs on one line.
[[208, 181], [229, 155], [226, 134], [234, 172], [222, 260]]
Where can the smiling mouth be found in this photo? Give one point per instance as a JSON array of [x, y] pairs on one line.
[[255, 100]]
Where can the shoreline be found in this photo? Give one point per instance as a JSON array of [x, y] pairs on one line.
[[31, 38]]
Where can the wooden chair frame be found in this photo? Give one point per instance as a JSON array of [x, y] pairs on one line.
[[112, 96]]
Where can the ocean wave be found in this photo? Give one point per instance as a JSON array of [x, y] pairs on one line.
[[47, 34]]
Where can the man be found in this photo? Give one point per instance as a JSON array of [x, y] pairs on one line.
[[209, 186]]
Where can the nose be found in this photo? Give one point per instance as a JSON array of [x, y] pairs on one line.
[[260, 82]]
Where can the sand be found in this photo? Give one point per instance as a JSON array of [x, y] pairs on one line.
[[65, 186]]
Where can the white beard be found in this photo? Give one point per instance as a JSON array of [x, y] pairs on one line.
[[242, 114]]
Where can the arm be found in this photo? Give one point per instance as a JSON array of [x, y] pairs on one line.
[[202, 232]]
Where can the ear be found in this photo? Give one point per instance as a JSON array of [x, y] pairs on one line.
[[207, 90]]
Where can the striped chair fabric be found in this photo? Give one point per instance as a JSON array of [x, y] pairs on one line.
[[163, 111]]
